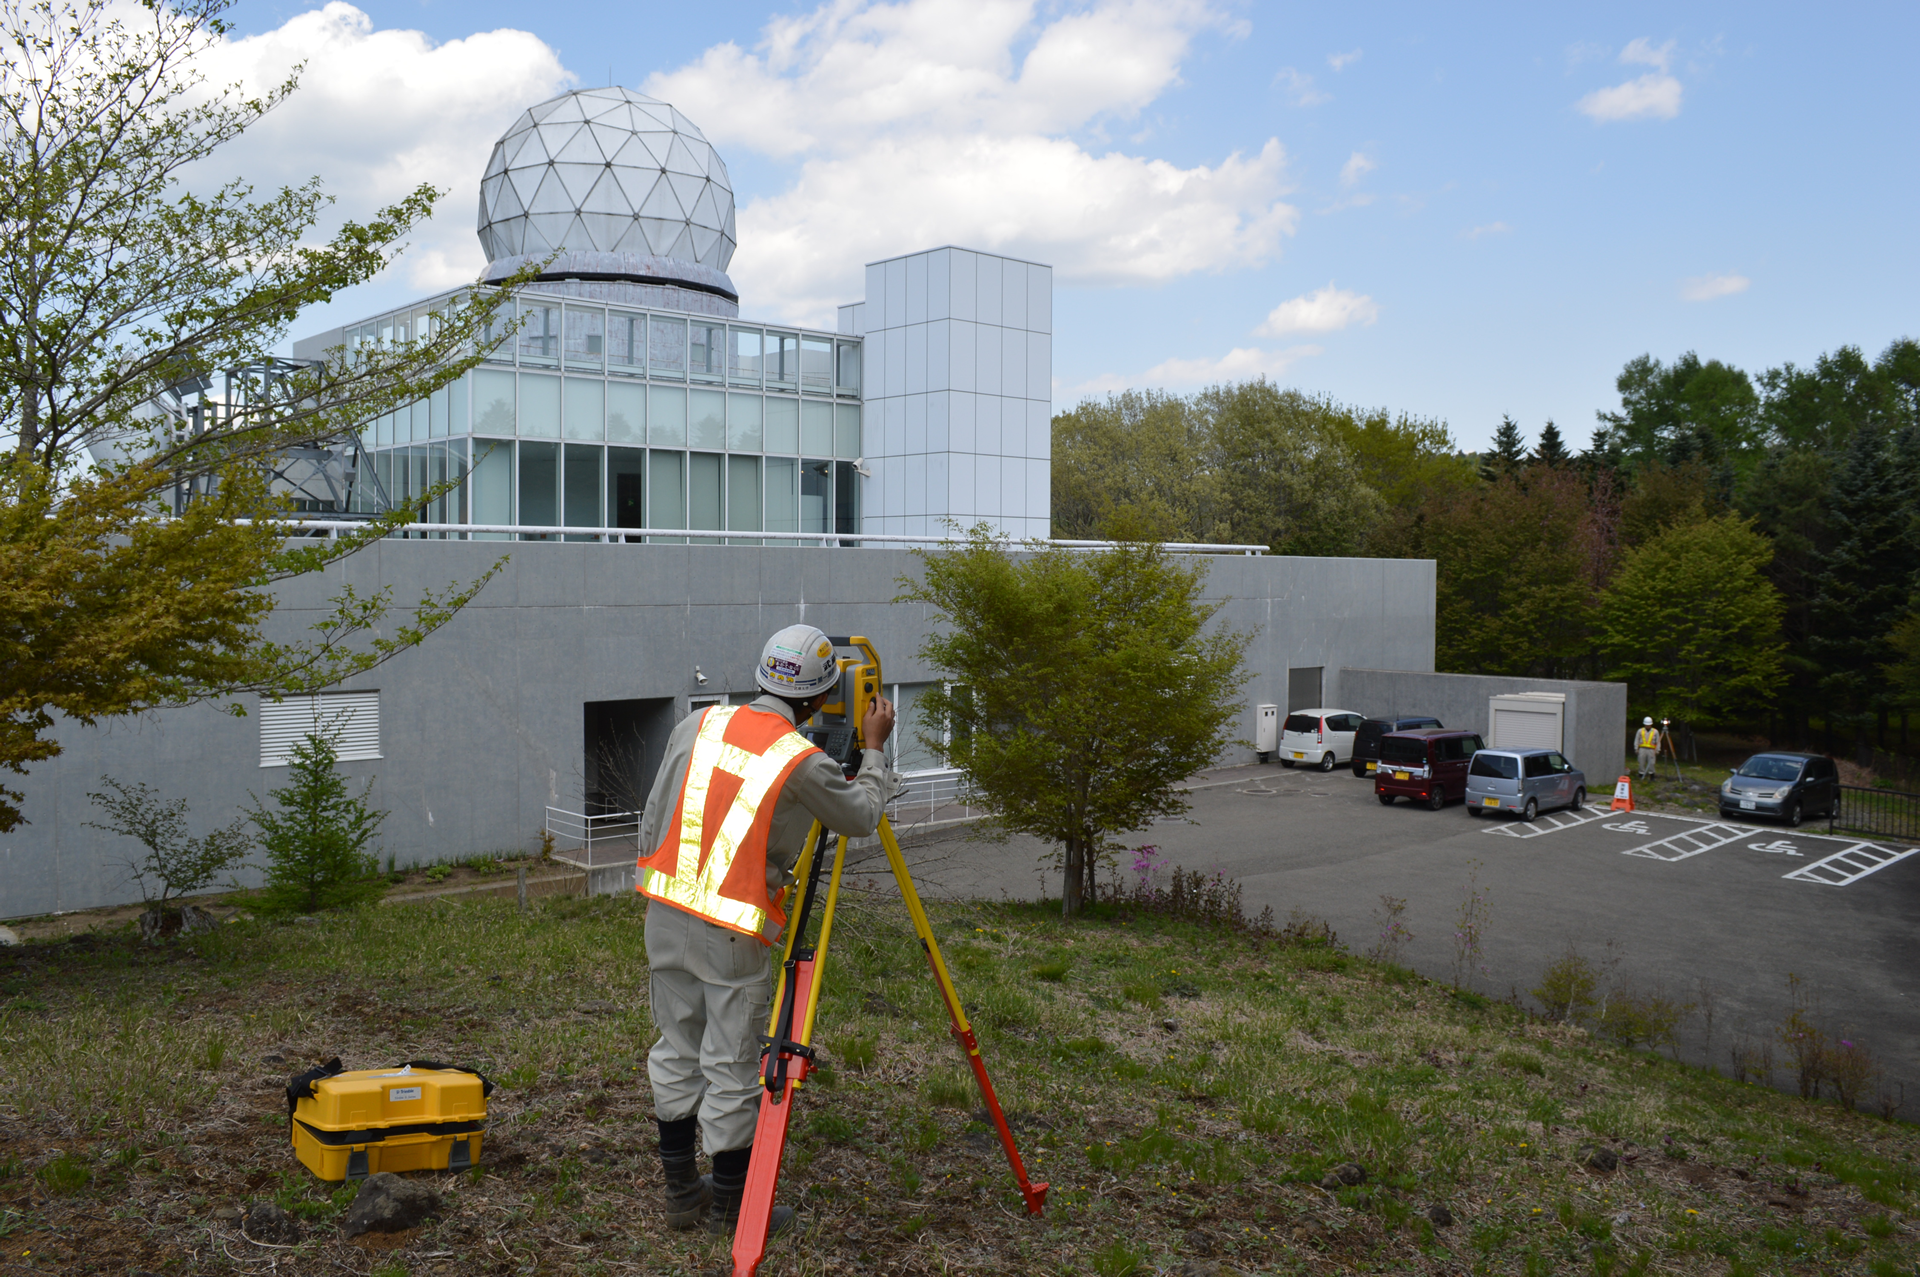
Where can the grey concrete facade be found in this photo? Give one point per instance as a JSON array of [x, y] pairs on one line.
[[1595, 723], [483, 727]]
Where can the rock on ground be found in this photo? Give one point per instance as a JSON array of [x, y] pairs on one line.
[[389, 1204], [266, 1222], [1345, 1175]]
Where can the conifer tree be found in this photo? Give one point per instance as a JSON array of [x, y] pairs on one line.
[[1509, 451], [1552, 450], [316, 840]]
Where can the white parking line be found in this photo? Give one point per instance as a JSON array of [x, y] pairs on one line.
[[1850, 865], [1553, 822], [1691, 843]]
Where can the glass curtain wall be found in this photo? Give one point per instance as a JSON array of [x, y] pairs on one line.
[[596, 416]]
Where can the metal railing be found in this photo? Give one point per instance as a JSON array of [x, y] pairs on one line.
[[721, 536], [935, 794], [1883, 813], [615, 832]]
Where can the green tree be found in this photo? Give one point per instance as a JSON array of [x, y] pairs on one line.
[[1406, 460], [1687, 411], [1552, 449], [1518, 566], [1691, 622], [1509, 452], [1140, 455], [1286, 479], [316, 840], [119, 284], [1083, 687]]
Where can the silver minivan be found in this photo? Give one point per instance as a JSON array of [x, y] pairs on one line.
[[1527, 781]]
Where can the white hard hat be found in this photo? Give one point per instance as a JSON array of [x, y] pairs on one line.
[[1646, 722], [797, 662]]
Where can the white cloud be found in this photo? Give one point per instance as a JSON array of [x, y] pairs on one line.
[[1299, 87], [1324, 310], [1491, 228], [1242, 363], [1341, 61], [1358, 165], [918, 123], [379, 112], [1653, 96], [1704, 288]]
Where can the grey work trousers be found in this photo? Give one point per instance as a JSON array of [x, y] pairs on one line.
[[1648, 757], [711, 994]]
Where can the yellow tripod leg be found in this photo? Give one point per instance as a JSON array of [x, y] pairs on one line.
[[1035, 1194], [801, 869]]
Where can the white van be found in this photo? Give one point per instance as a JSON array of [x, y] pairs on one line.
[[1320, 738]]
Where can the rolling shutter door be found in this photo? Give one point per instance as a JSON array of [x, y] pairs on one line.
[[350, 719], [1524, 729]]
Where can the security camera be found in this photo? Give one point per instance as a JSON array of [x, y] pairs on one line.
[[860, 468], [698, 677]]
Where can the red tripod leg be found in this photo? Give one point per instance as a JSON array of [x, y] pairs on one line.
[[769, 1144]]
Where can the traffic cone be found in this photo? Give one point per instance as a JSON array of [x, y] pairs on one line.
[[1622, 794]]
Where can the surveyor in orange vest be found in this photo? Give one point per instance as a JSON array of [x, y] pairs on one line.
[[724, 825], [1646, 744]]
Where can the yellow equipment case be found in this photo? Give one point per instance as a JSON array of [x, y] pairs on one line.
[[418, 1116]]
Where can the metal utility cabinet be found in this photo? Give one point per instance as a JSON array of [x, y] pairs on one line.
[[1266, 730], [1527, 720]]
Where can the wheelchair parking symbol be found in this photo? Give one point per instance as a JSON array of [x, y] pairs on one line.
[[1778, 846], [1629, 827]]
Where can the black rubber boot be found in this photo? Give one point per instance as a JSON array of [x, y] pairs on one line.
[[729, 1186], [689, 1193]]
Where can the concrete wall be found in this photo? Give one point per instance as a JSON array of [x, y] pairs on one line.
[[1595, 723], [483, 727]]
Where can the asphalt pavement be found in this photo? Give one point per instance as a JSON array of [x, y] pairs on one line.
[[1719, 914]]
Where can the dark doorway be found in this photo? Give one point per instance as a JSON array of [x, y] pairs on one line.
[[625, 741], [1303, 688]]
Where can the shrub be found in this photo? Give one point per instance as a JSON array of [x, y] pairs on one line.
[[1567, 988], [316, 842], [176, 864], [1633, 1017], [1803, 1039], [1849, 1069]]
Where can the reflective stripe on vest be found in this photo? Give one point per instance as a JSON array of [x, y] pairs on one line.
[[1649, 739], [696, 882]]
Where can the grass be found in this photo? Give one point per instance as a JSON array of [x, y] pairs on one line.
[[1185, 1091]]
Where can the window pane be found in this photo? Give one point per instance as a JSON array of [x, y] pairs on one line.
[[587, 408], [743, 496], [492, 484], [417, 410], [744, 432], [849, 376], [626, 487], [540, 406], [492, 402], [626, 343], [816, 363], [783, 424], [586, 343], [457, 469], [667, 490], [457, 413], [583, 485], [847, 431], [783, 359], [437, 414], [667, 418], [707, 350], [783, 495], [437, 475], [706, 419], [667, 347], [539, 338], [743, 354], [705, 499], [626, 412], [816, 486], [539, 486], [383, 430], [816, 429], [846, 499]]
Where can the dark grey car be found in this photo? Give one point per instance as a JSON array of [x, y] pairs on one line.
[[1526, 781], [1786, 786]]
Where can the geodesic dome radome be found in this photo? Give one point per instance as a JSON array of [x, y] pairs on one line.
[[621, 185]]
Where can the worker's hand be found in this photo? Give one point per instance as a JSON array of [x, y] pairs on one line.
[[878, 724]]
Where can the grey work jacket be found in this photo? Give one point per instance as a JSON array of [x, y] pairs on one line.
[[815, 790]]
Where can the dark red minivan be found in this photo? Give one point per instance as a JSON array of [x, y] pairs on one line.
[[1428, 765]]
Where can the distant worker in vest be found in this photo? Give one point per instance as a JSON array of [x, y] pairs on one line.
[[729, 814], [1646, 742]]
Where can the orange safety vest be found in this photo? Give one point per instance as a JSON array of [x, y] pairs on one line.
[[712, 862]]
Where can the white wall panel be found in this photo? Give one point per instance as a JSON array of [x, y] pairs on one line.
[[939, 408], [986, 360], [917, 289], [986, 425], [894, 413], [961, 411], [939, 282], [1040, 299], [939, 354], [1013, 362], [964, 338], [916, 441], [965, 302], [989, 279], [1040, 366], [896, 293], [916, 383], [1013, 294]]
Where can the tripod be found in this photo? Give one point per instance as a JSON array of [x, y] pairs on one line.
[[790, 1056]]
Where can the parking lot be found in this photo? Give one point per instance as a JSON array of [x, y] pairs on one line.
[[1710, 912]]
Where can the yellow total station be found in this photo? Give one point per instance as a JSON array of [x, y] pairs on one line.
[[836, 728]]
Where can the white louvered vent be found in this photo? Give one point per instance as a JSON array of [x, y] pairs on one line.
[[350, 719]]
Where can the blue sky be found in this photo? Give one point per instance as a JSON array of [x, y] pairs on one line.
[[1455, 214]]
